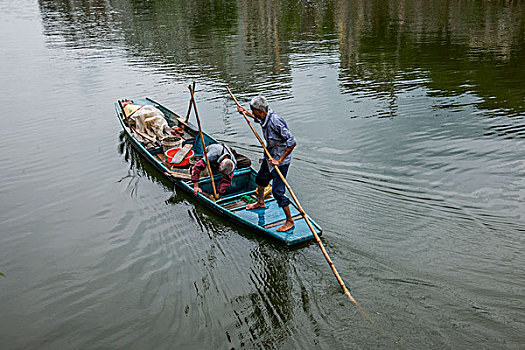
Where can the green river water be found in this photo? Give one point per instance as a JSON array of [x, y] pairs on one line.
[[410, 121]]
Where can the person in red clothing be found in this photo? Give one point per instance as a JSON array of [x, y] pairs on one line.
[[222, 160]]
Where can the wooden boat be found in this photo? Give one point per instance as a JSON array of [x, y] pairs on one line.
[[232, 205]]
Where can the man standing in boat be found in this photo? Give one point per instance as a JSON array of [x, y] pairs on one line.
[[221, 159], [280, 143]]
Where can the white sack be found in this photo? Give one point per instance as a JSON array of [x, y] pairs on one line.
[[150, 121]]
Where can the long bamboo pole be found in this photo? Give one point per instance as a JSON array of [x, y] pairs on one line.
[[327, 257], [202, 141]]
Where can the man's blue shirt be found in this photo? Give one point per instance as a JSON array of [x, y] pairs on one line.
[[277, 136]]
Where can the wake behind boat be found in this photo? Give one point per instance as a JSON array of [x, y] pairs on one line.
[[172, 145]]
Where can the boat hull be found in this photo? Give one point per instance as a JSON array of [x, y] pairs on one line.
[[231, 206]]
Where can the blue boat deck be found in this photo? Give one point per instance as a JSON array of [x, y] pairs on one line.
[[272, 217]]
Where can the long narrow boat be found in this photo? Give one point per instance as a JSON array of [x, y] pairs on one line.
[[232, 205]]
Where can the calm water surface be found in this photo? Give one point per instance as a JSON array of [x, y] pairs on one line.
[[409, 117]]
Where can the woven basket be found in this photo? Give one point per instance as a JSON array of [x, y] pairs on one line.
[[170, 142]]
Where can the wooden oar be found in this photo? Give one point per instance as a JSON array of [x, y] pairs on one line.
[[189, 107], [327, 257], [202, 141]]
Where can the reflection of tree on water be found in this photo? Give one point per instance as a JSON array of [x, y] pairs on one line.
[[77, 24], [250, 43], [455, 47]]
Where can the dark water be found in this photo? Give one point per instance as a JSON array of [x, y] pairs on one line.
[[409, 117]]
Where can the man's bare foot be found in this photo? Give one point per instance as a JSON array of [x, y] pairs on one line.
[[255, 206], [288, 225]]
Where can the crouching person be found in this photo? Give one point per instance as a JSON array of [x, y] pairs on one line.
[[222, 160]]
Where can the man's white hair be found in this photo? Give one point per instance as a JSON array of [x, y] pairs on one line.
[[226, 166], [259, 103]]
